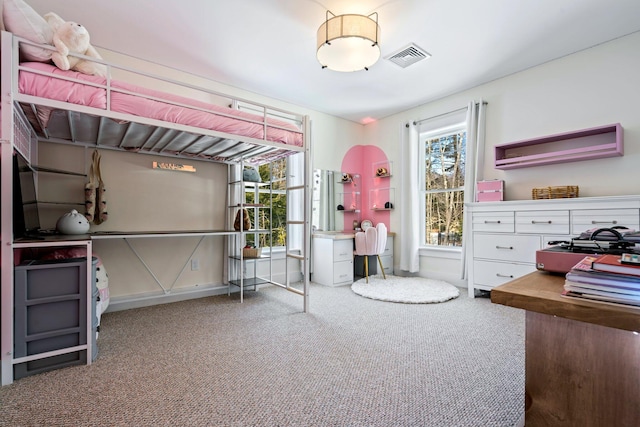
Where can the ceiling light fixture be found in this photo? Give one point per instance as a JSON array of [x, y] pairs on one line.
[[348, 42]]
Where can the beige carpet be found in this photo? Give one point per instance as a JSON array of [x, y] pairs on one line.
[[350, 361]]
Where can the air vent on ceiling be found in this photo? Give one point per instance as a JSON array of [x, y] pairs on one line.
[[408, 55]]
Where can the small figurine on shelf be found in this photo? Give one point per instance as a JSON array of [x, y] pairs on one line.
[[382, 172], [340, 207], [346, 177], [388, 205]]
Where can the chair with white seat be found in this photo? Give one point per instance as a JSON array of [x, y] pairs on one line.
[[371, 242]]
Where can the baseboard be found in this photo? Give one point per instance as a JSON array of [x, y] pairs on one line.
[[155, 298], [201, 291]]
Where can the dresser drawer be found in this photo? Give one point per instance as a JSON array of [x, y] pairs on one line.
[[587, 219], [343, 272], [342, 250], [550, 222], [497, 222], [492, 274], [520, 248]]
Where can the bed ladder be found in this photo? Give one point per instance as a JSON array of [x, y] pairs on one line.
[[298, 218], [298, 190]]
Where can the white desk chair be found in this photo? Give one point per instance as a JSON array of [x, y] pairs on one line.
[[371, 242]]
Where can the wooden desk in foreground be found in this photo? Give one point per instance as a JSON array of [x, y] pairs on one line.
[[582, 358]]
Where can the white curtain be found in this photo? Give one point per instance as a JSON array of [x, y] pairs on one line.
[[410, 212], [474, 166]]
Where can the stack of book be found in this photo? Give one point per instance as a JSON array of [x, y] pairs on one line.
[[609, 278]]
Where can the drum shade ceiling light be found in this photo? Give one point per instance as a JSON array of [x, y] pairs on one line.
[[348, 42]]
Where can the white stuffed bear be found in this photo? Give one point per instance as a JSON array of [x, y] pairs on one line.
[[71, 37]]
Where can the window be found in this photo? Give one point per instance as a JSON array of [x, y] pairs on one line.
[[275, 197], [283, 173], [443, 152]]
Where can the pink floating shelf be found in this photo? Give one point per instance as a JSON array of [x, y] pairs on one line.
[[594, 143]]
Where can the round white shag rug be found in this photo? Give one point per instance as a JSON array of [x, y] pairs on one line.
[[411, 290]]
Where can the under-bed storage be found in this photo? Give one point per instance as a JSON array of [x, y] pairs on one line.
[[50, 314]]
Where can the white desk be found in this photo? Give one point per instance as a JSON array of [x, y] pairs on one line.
[[332, 257], [127, 235]]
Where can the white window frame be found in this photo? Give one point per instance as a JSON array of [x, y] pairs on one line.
[[452, 252], [294, 172]]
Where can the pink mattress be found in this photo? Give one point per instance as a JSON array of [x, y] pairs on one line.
[[207, 116]]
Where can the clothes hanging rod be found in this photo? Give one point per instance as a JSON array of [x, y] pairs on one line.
[[417, 122]]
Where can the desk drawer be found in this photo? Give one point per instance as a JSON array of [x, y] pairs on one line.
[[587, 219], [343, 272], [387, 264], [520, 248], [492, 274], [549, 222], [342, 250], [388, 249], [497, 222]]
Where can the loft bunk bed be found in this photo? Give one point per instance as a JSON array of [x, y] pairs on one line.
[[43, 103]]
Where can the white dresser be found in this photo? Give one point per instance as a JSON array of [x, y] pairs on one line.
[[506, 235]]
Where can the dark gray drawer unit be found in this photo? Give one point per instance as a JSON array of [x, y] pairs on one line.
[[50, 314]]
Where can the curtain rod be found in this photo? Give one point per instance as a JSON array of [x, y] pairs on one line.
[[416, 122]]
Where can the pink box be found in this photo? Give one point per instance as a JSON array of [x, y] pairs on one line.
[[491, 185], [490, 191], [492, 196]]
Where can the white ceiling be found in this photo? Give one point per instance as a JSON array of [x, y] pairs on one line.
[[268, 46]]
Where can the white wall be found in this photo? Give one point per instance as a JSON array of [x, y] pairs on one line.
[[594, 87]]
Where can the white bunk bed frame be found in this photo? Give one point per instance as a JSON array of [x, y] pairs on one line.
[[17, 133]]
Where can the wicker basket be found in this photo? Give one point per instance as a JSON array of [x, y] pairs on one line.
[[251, 252], [567, 191]]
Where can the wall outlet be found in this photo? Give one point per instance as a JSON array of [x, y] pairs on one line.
[[195, 264]]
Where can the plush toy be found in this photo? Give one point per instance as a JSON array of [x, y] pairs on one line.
[[71, 37], [246, 220]]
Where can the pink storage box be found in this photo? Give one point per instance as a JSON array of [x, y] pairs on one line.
[[490, 191]]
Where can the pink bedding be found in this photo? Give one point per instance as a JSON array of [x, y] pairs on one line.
[[80, 94]]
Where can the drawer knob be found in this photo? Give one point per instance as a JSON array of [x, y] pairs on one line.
[[604, 222], [504, 247], [540, 222], [509, 276]]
